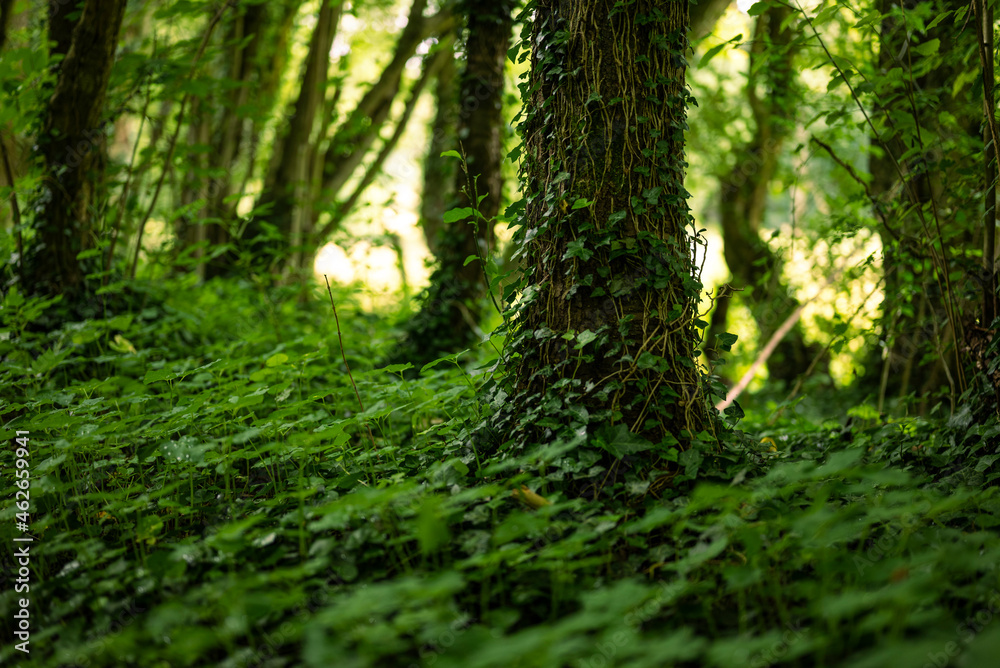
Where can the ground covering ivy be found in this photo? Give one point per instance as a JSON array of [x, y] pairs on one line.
[[204, 492]]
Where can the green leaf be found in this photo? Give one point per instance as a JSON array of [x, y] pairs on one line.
[[928, 48], [471, 258], [432, 525], [584, 337], [451, 154], [276, 360], [726, 340], [396, 368], [158, 375], [619, 441], [454, 215], [713, 52]]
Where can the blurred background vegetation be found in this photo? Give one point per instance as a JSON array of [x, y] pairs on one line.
[[226, 471]]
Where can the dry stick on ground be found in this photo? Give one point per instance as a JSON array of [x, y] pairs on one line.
[[771, 345], [826, 349], [340, 337]]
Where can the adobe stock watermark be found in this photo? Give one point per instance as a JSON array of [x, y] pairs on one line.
[[22, 543]]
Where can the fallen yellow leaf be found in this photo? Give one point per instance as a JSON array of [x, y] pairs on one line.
[[529, 498]]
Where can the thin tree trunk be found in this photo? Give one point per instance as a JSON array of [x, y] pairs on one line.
[[451, 306], [289, 178], [353, 138], [439, 172]]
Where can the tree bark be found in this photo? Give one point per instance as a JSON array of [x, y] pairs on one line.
[[70, 145], [6, 13], [604, 325]]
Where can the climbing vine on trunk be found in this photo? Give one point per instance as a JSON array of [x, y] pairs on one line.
[[604, 321]]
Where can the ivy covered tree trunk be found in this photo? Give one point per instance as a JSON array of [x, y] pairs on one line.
[[605, 324], [451, 306], [70, 143]]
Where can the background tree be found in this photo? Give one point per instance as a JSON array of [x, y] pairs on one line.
[[333, 156], [772, 96], [924, 123], [451, 307], [70, 145]]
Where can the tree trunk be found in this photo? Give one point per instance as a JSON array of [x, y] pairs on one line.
[[604, 325], [70, 145], [353, 138], [6, 13], [451, 306], [289, 176], [704, 15]]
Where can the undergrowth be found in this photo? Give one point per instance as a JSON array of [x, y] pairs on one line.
[[204, 491]]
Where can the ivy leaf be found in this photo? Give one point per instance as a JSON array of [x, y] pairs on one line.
[[726, 340], [619, 441], [583, 338], [577, 249], [647, 360]]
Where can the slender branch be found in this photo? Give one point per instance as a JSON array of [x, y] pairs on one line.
[[123, 199], [854, 175], [177, 131]]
